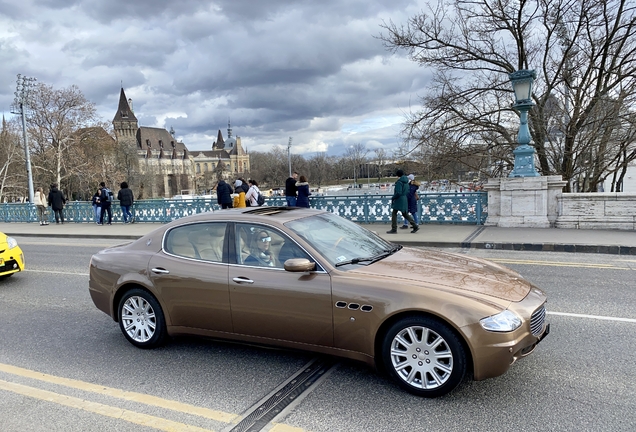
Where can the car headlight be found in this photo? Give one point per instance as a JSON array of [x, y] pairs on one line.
[[12, 242], [505, 321]]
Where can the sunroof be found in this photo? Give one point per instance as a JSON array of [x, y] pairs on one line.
[[270, 210]]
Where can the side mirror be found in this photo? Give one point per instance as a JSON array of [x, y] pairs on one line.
[[299, 265]]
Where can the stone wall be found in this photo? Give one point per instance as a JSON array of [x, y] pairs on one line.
[[597, 211]]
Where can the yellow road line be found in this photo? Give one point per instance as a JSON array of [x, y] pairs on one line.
[[279, 427], [101, 409], [559, 264], [121, 394]]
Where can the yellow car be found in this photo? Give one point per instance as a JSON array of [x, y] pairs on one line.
[[11, 256]]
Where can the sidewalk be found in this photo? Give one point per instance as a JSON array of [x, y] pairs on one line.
[[441, 236]]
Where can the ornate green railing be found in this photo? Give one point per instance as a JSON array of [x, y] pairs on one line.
[[453, 208]]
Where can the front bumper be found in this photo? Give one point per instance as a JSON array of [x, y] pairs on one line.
[[12, 261]]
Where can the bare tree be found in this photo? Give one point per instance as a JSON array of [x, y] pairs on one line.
[[320, 168], [56, 115], [356, 155], [584, 52], [12, 172]]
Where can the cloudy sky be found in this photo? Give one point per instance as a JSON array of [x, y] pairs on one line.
[[312, 70]]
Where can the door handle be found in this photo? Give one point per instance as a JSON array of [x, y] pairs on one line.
[[160, 270], [243, 280]]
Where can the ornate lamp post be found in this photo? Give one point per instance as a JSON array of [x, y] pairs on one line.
[[524, 153], [20, 104]]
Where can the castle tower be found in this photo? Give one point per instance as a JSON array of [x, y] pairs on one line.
[[125, 123]]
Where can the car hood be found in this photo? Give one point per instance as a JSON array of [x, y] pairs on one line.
[[455, 271]]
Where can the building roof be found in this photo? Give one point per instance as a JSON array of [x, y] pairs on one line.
[[211, 154], [157, 139], [124, 112]]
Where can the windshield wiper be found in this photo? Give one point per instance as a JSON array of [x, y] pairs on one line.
[[372, 259]]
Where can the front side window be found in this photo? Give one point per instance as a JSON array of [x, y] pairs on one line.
[[339, 240], [202, 241], [261, 246]]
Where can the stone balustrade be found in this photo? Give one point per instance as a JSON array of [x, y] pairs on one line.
[[603, 210]]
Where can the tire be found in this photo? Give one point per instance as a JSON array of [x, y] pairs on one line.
[[141, 319], [424, 356]]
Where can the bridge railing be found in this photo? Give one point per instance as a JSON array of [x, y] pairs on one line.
[[446, 208]]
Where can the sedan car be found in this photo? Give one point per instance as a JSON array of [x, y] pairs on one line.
[[308, 279], [11, 256]]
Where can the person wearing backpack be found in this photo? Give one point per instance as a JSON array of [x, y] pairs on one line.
[[254, 194], [107, 200]]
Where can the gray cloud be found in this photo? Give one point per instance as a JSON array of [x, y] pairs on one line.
[[281, 68]]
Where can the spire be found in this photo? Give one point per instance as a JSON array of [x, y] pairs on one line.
[[229, 129], [220, 143], [124, 111]]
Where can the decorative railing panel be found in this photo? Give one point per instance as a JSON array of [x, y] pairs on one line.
[[455, 208]]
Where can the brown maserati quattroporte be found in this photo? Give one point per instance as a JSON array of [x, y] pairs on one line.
[[308, 279]]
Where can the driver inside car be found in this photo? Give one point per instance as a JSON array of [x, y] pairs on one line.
[[260, 251]]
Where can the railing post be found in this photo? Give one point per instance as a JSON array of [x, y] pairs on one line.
[[478, 210]]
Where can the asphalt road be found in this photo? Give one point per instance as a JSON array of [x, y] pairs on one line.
[[64, 365]]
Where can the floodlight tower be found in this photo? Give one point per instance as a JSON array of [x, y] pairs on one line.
[[22, 101], [289, 155]]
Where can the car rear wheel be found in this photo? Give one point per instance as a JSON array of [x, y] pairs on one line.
[[141, 319], [424, 356]]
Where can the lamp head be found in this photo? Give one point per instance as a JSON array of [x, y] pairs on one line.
[[522, 85]]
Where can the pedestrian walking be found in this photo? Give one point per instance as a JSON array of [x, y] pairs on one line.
[[302, 186], [106, 199], [41, 205], [239, 194], [399, 203], [290, 190], [97, 205], [412, 199], [57, 200], [224, 194], [126, 199]]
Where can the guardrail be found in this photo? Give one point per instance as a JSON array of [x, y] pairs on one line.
[[447, 208]]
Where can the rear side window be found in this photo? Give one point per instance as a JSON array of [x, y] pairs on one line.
[[202, 241]]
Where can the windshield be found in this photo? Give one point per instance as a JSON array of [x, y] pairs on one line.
[[339, 240]]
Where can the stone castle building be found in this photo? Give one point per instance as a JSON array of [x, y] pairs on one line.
[[227, 158], [167, 167]]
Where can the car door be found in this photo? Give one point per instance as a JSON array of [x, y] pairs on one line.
[[270, 302], [191, 276]]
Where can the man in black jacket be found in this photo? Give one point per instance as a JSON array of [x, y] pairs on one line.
[[57, 201], [291, 190], [224, 194], [126, 198], [106, 199]]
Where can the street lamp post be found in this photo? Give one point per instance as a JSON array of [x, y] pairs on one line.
[[289, 154], [20, 104], [524, 153]]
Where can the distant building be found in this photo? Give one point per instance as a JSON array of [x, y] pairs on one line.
[[227, 159], [165, 163]]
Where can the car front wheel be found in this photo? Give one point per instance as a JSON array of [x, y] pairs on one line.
[[141, 319], [424, 356]]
